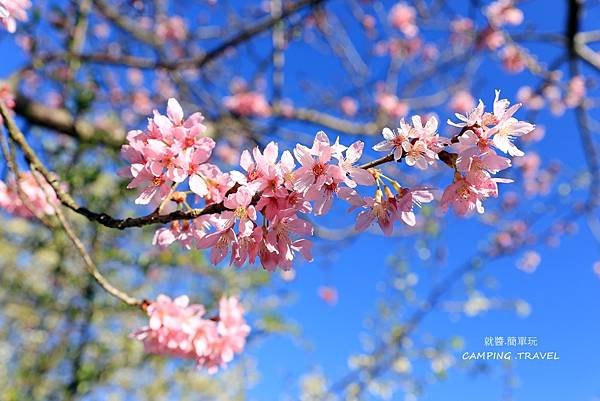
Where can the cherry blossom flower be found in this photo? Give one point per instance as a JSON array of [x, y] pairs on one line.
[[172, 28], [6, 97], [185, 232], [503, 12], [328, 294], [378, 208], [260, 208], [248, 104], [393, 140], [513, 59], [357, 175], [24, 197], [349, 106], [406, 199], [11, 11], [529, 262], [462, 101], [418, 143], [167, 153], [316, 170], [180, 329], [467, 192], [402, 17], [391, 105]]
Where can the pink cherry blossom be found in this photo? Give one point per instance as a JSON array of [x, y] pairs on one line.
[[347, 162], [172, 28], [467, 192], [24, 197], [315, 169], [391, 105], [418, 143], [248, 104], [504, 12], [171, 150], [349, 106], [178, 328], [462, 101], [402, 17], [393, 140], [7, 97], [529, 262], [406, 199], [329, 295], [378, 208], [514, 60]]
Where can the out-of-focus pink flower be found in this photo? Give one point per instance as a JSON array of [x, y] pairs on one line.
[[462, 101], [178, 328], [391, 105], [349, 106], [402, 17], [168, 152], [378, 208], [248, 104], [228, 154], [462, 31], [328, 294], [11, 11], [173, 28], [32, 198], [315, 169], [466, 193], [504, 12], [575, 92], [513, 59], [529, 262], [536, 135]]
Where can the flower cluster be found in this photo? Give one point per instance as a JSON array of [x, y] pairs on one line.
[[260, 212], [481, 134], [24, 197], [402, 17], [180, 329], [11, 11]]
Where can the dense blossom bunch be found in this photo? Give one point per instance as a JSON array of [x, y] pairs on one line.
[[481, 134], [6, 97], [11, 11], [180, 329], [262, 209], [24, 197]]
